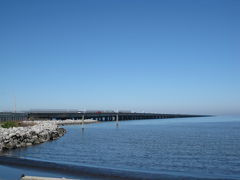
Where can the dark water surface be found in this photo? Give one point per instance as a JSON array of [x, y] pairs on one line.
[[198, 147]]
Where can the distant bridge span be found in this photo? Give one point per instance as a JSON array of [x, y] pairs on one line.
[[104, 116]]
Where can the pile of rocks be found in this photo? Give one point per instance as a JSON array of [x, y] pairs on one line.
[[17, 137]]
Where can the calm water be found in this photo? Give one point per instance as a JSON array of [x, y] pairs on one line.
[[207, 147]]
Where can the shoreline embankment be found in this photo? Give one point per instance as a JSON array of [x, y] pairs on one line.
[[34, 132]]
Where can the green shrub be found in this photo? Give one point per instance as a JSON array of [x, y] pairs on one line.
[[9, 124]]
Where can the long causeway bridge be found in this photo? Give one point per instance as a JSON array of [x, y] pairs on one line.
[[100, 116]]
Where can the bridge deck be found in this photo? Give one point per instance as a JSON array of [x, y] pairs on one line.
[[106, 116], [111, 116]]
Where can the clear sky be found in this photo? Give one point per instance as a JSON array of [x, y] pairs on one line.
[[172, 56]]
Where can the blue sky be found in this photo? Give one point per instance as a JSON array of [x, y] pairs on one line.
[[167, 56]]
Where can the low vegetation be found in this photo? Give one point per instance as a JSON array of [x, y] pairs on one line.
[[9, 124]]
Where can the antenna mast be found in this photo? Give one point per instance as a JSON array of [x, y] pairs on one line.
[[15, 107]]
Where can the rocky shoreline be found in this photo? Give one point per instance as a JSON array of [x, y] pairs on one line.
[[17, 137], [34, 132]]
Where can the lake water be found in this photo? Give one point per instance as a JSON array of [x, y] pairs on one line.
[[198, 147]]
